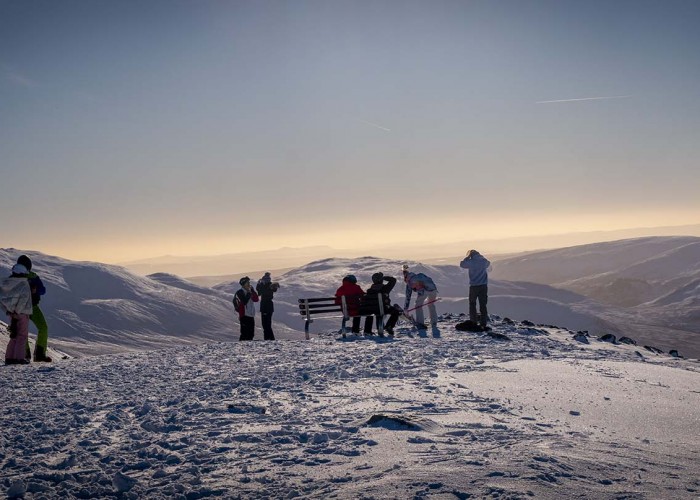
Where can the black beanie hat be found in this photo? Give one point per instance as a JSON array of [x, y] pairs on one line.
[[25, 261], [377, 278], [244, 280]]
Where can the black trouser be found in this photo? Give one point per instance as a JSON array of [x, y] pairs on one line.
[[267, 325], [480, 293], [247, 328], [357, 321]]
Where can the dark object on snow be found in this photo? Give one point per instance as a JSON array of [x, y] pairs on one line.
[[674, 353], [469, 326], [581, 337], [497, 336], [627, 340], [527, 323], [392, 421], [608, 337], [508, 321], [653, 349]]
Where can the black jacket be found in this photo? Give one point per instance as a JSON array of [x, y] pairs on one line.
[[384, 288], [266, 292]]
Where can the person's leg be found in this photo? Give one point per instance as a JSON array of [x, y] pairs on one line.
[[483, 299], [393, 318], [432, 296], [472, 303], [251, 327], [368, 325], [267, 326], [42, 338], [420, 318], [356, 324], [247, 328], [16, 347]]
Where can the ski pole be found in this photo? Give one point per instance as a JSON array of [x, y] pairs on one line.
[[423, 304]]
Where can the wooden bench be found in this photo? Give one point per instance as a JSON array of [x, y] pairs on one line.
[[327, 307]]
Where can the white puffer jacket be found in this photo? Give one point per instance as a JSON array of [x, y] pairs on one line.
[[15, 295]]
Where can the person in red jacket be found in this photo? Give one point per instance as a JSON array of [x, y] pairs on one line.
[[244, 301], [353, 294]]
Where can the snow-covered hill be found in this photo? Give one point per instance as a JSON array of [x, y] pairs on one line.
[[553, 267], [454, 415], [98, 308], [649, 285]]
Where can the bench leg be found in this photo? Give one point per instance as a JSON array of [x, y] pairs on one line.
[[306, 329], [380, 325]]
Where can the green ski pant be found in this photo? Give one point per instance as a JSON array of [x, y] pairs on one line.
[[42, 338]]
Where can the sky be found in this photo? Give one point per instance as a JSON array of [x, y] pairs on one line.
[[133, 129]]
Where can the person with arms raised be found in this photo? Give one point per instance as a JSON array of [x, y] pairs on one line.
[[244, 302], [478, 267]]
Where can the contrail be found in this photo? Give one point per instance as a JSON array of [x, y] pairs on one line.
[[586, 99], [375, 125]]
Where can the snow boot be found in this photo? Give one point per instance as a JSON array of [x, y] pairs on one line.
[[40, 355]]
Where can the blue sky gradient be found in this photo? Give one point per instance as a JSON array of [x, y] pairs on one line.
[[131, 129]]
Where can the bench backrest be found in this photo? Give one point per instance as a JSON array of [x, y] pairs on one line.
[[351, 305]]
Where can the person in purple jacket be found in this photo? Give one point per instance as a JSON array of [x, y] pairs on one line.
[[478, 266]]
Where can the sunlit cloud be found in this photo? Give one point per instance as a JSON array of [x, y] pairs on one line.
[[586, 99], [375, 125]]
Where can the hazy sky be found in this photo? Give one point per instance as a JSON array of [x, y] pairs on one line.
[[138, 128]]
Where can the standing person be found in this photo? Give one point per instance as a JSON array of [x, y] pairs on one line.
[[425, 288], [244, 302], [379, 287], [266, 290], [16, 302], [478, 266], [353, 295], [37, 317]]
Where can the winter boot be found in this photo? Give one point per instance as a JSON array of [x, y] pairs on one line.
[[40, 355]]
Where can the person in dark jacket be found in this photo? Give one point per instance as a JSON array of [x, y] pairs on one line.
[[353, 294], [244, 301], [383, 285], [37, 317], [266, 290], [478, 266]]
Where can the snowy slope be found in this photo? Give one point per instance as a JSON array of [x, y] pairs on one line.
[[455, 415], [97, 308], [566, 264]]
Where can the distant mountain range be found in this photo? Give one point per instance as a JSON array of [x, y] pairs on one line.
[[645, 288], [240, 263]]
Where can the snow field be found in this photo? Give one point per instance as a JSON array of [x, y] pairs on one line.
[[449, 415]]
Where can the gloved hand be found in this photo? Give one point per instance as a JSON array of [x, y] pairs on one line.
[[13, 328]]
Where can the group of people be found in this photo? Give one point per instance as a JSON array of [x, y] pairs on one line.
[[20, 294], [356, 299], [244, 303]]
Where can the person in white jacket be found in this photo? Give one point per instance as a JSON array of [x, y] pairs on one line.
[[16, 302]]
